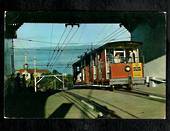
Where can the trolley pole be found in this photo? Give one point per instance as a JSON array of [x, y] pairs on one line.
[[35, 79]]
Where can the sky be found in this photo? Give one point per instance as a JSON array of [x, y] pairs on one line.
[[74, 41]]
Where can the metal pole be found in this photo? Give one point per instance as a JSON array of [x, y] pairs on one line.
[[63, 81], [35, 79]]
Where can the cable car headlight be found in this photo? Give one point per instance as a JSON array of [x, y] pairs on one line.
[[127, 68]]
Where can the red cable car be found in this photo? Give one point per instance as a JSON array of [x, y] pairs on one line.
[[113, 64]]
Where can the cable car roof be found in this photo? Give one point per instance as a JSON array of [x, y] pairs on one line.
[[115, 45], [121, 44]]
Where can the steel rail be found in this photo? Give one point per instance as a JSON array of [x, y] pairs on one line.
[[79, 105]]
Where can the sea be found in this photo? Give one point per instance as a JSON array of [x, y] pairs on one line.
[[41, 57]]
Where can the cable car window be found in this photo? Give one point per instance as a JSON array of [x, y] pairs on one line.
[[132, 55], [119, 56], [109, 55]]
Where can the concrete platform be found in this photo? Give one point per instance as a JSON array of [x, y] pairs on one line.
[[159, 90]]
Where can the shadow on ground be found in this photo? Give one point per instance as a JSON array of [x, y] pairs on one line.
[[25, 103], [61, 111]]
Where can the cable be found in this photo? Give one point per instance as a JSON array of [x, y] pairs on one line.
[[99, 33], [72, 36], [56, 47], [82, 30], [107, 36], [59, 48], [110, 36], [51, 40], [68, 40], [117, 35], [73, 56], [23, 39], [62, 43], [49, 49], [60, 38]]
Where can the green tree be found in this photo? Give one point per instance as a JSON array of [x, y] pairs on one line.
[[56, 72]]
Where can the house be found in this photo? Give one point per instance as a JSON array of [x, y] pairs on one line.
[[31, 71]]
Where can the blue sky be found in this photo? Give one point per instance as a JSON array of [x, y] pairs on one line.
[[49, 35]]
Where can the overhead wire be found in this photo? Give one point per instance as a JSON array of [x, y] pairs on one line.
[[53, 60], [106, 37], [67, 65], [51, 41], [56, 47], [30, 40], [78, 40], [111, 36], [100, 32], [82, 30], [117, 38], [39, 49], [62, 49], [70, 61]]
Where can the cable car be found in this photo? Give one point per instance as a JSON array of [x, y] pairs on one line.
[[114, 64]]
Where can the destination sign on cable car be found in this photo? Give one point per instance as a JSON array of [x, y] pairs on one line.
[[137, 69]]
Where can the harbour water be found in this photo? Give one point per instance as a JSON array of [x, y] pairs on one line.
[[62, 60]]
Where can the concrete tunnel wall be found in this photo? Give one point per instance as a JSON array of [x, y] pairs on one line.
[[8, 62], [153, 37], [8, 57]]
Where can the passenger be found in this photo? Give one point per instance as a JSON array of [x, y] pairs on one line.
[[12, 83], [132, 56], [117, 58], [136, 56], [79, 77], [23, 81], [110, 57], [31, 83], [17, 82]]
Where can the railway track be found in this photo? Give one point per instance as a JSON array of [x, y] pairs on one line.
[[79, 105], [124, 113], [90, 108], [107, 113]]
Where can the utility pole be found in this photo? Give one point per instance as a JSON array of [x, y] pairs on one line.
[[35, 79], [25, 59], [63, 80], [25, 63]]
